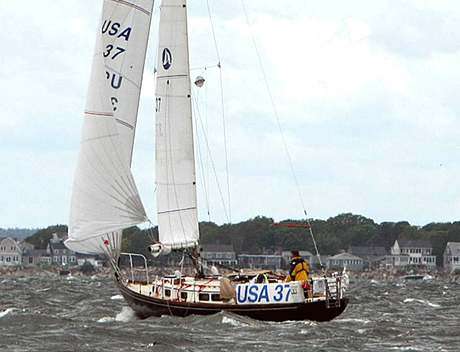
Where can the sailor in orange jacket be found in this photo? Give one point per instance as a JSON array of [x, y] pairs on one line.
[[299, 270]]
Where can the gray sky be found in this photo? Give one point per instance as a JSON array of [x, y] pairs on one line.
[[365, 91]]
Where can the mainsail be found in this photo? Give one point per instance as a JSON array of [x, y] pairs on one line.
[[175, 165], [105, 198]]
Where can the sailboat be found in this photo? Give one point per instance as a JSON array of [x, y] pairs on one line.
[[105, 198]]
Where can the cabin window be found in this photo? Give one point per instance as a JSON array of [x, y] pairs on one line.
[[183, 296], [203, 296], [168, 293], [215, 297]]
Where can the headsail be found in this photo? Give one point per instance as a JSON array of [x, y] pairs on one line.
[[105, 198], [175, 165]]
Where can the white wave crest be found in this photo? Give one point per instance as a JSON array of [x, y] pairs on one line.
[[116, 297], [5, 312], [411, 300], [106, 320], [358, 321], [234, 322]]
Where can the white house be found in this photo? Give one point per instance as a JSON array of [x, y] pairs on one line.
[[406, 253], [95, 260], [10, 252], [452, 257]]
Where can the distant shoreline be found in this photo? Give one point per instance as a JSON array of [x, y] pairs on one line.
[[74, 271], [377, 275]]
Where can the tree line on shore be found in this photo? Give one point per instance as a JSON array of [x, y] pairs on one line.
[[257, 236]]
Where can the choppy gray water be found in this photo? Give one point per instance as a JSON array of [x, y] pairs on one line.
[[87, 314]]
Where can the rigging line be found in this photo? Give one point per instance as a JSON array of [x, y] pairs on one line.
[[204, 67], [213, 32], [206, 174], [223, 112], [316, 247], [225, 145], [282, 134], [202, 169], [275, 110], [211, 158]]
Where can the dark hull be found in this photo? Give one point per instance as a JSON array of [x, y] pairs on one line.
[[413, 277], [145, 307]]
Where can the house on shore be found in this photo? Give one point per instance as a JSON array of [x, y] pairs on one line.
[[345, 260], [10, 252], [371, 256], [315, 261], [60, 254], [95, 260], [411, 253], [451, 257], [221, 254], [261, 261], [36, 257]]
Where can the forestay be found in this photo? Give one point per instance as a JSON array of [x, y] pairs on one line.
[[175, 165], [105, 198]]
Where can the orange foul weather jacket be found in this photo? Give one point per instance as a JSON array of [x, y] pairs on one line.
[[299, 270]]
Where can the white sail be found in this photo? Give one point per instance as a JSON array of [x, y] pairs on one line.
[[105, 198], [175, 165]]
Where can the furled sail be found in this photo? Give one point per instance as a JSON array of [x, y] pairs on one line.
[[105, 198], [175, 165]]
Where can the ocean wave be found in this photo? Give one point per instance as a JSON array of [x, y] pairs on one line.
[[411, 300]]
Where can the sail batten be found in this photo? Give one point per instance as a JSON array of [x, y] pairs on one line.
[[105, 198]]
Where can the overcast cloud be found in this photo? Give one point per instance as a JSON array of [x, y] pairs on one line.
[[366, 93]]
